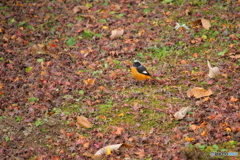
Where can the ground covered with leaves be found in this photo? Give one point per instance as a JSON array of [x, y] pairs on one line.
[[66, 90]]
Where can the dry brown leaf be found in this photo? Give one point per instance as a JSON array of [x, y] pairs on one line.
[[140, 153], [116, 33], [205, 23], [235, 56], [187, 12], [194, 127], [1, 85], [90, 18], [197, 24], [181, 113], [42, 49], [99, 157], [113, 75], [204, 133], [83, 121], [119, 130], [232, 99], [77, 9], [108, 149], [213, 71], [199, 92]]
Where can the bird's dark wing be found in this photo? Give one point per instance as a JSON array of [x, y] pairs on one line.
[[143, 70]]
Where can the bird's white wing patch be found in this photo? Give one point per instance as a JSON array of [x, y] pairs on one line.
[[145, 72]]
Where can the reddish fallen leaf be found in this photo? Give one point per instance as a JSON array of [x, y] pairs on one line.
[[52, 45]]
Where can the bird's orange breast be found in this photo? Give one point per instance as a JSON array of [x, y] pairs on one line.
[[139, 76]]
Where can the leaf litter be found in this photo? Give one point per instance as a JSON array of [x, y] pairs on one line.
[[57, 62]]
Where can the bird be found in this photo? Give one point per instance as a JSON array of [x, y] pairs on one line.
[[139, 72]]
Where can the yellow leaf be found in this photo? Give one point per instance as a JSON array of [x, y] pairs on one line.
[[121, 115], [105, 27], [188, 139], [108, 151], [228, 129]]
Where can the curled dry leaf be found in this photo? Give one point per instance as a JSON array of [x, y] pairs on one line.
[[77, 9], [182, 113], [108, 149], [83, 121], [42, 49], [199, 92], [205, 23], [116, 33], [213, 71]]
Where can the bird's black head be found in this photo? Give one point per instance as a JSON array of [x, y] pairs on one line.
[[136, 63]]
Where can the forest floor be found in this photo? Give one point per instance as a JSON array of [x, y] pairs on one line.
[[66, 88]]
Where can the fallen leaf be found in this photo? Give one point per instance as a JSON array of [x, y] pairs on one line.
[[119, 130], [197, 24], [140, 153], [182, 113], [228, 129], [52, 45], [205, 23], [77, 9], [203, 125], [188, 139], [83, 121], [204, 133], [113, 75], [1, 85], [89, 81], [183, 61], [108, 149], [116, 33], [232, 99], [193, 127], [213, 71], [195, 55], [198, 92]]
